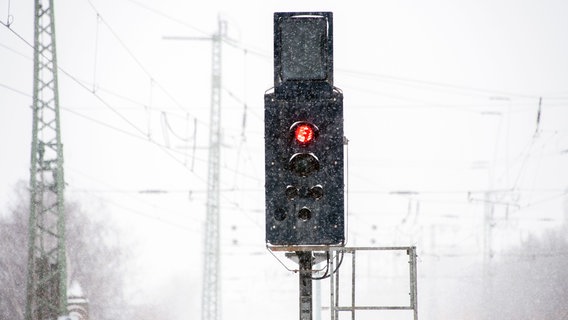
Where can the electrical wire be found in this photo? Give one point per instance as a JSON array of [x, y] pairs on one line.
[[149, 216], [168, 17], [327, 274], [107, 104], [170, 129], [384, 192], [135, 59], [15, 52], [229, 42], [96, 52], [15, 90], [114, 110], [434, 84]]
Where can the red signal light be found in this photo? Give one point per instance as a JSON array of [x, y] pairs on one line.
[[304, 133]]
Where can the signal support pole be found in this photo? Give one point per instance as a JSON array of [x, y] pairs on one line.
[[305, 262]]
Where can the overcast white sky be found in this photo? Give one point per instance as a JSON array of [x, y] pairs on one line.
[[441, 99]]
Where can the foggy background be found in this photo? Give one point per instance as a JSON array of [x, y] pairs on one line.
[[456, 114]]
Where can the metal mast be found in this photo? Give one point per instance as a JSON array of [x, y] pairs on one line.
[[211, 301], [47, 275]]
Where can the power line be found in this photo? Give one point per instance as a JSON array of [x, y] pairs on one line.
[[105, 103], [227, 41], [140, 137], [169, 17], [363, 191], [15, 51], [22, 92], [149, 216], [459, 88], [77, 81], [16, 90], [143, 137], [134, 58]]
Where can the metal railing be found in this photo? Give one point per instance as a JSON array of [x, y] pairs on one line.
[[337, 260]]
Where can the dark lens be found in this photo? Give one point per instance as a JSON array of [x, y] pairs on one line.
[[316, 192], [305, 214], [304, 164]]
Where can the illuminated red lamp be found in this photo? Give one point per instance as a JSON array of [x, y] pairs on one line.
[[304, 132]]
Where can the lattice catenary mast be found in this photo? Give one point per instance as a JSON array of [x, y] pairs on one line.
[[211, 289], [211, 302], [47, 276]]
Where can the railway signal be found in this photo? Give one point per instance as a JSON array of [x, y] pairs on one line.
[[304, 136]]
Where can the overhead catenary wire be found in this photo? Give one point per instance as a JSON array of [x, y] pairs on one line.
[[152, 79], [440, 85], [149, 216], [170, 119], [13, 89], [95, 56], [72, 111], [109, 188], [93, 84], [15, 51], [135, 58], [166, 123], [85, 85], [485, 92], [453, 106], [558, 193], [81, 84], [169, 17], [106, 104]]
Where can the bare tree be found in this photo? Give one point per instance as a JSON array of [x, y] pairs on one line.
[[96, 260], [12, 268]]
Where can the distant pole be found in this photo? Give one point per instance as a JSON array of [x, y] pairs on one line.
[[46, 296], [211, 289], [211, 297], [487, 252]]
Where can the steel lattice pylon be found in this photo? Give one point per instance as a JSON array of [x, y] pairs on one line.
[[47, 275], [211, 302]]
